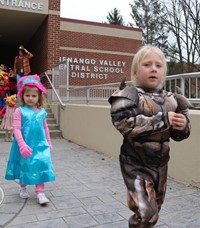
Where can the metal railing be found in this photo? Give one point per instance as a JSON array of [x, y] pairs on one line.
[[54, 90], [60, 82], [189, 84], [93, 93], [64, 92]]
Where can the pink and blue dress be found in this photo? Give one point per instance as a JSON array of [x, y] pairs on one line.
[[38, 168]]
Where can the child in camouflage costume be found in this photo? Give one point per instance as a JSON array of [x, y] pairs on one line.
[[147, 116]]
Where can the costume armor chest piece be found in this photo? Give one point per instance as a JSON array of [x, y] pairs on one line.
[[151, 103]]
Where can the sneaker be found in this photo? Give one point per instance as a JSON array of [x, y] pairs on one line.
[[42, 199], [23, 193]]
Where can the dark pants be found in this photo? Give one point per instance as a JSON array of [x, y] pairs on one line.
[[146, 189]]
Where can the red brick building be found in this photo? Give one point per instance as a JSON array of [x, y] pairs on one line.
[[98, 53]]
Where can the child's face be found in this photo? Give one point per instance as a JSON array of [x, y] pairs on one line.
[[20, 52], [150, 72], [31, 97]]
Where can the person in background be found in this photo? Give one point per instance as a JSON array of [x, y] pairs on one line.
[[21, 63], [4, 91], [7, 122], [147, 116], [12, 82], [30, 155]]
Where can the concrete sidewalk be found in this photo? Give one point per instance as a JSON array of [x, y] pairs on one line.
[[88, 192]]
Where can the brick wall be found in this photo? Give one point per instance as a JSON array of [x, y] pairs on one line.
[[109, 57], [53, 33], [53, 40], [54, 5], [97, 72], [98, 42]]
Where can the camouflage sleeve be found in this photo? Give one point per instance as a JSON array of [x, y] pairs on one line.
[[181, 135], [129, 122]]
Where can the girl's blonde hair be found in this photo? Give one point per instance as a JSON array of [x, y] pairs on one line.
[[41, 98], [139, 56]]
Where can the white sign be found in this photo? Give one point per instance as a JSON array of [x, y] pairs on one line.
[[92, 68], [30, 5]]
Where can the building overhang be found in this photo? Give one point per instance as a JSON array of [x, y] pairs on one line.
[[20, 20]]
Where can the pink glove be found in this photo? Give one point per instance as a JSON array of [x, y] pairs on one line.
[[25, 150]]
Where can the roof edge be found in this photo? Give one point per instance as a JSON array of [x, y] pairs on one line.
[[100, 24]]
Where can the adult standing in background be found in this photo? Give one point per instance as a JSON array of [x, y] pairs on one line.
[[21, 63]]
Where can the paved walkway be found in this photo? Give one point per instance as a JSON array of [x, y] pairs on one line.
[[88, 192]]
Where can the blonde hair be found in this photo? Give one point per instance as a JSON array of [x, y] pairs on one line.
[[139, 56], [41, 98]]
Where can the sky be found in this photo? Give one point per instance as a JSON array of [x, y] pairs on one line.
[[95, 10]]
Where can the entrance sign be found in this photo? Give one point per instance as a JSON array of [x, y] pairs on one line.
[[39, 6]]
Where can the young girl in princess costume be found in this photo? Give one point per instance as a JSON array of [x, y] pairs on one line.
[[7, 122], [30, 158]]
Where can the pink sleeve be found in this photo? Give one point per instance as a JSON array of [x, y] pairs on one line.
[[17, 119], [46, 129], [17, 127]]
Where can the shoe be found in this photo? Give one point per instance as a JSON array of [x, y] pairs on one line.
[[42, 199], [23, 193]]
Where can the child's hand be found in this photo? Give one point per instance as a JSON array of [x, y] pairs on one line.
[[25, 151], [177, 121]]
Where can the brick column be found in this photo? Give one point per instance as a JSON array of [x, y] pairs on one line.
[[53, 33]]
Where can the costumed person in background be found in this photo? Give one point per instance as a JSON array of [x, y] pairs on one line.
[[30, 155], [21, 63], [7, 122], [4, 91], [147, 116], [12, 82]]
